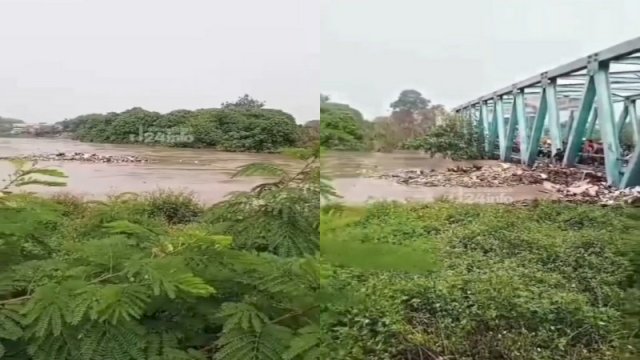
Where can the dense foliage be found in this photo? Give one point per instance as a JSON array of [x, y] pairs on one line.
[[412, 116], [454, 138], [244, 125], [158, 276], [483, 282], [309, 134], [341, 127]]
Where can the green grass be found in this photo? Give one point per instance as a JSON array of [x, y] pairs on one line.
[[484, 282], [344, 242]]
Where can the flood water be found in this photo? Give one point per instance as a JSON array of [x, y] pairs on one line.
[[207, 173], [349, 170]]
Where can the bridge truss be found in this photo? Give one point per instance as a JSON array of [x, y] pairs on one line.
[[606, 85]]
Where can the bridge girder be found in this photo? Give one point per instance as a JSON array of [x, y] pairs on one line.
[[569, 101]]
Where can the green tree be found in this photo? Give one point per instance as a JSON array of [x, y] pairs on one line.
[[244, 102], [413, 114], [341, 127], [246, 128], [411, 101], [455, 138]]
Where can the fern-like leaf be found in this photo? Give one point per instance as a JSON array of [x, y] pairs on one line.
[[306, 345], [268, 344], [242, 316], [121, 302], [260, 169], [10, 324], [169, 279], [45, 311], [46, 172]]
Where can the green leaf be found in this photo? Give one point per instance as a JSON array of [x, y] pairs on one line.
[[31, 181], [268, 344], [305, 345], [47, 172], [260, 169], [10, 324], [242, 316]]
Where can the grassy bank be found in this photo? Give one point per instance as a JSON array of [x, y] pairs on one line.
[[452, 281]]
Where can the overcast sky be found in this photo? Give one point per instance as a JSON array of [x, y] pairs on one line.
[[456, 50], [62, 58]]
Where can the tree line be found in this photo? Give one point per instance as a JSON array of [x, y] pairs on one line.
[[243, 125], [344, 128]]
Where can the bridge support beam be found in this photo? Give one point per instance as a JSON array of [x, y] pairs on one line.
[[593, 119], [633, 117], [607, 122], [523, 128], [577, 132], [629, 113], [484, 122], [498, 125], [536, 130]]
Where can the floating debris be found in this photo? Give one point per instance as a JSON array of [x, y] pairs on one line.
[[567, 184], [502, 175], [79, 156]]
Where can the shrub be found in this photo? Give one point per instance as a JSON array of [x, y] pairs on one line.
[[553, 281], [175, 207]]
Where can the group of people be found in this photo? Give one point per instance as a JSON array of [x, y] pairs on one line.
[[592, 151]]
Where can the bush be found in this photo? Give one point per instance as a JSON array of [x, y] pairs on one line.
[[455, 138], [174, 207], [118, 280], [553, 281]]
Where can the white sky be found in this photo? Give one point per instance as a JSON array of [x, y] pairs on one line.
[[62, 58], [456, 50]]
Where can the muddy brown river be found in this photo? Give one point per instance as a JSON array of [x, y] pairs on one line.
[[207, 173]]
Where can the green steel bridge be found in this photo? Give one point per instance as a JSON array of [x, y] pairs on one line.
[[604, 87]]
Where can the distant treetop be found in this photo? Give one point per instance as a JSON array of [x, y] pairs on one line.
[[244, 102]]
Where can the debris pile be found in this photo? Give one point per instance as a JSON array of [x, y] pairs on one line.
[[502, 175], [567, 184], [79, 156]]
